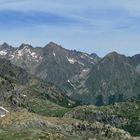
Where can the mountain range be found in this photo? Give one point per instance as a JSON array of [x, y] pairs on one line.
[[81, 76], [52, 93]]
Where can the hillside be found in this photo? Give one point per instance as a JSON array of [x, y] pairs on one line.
[[125, 115], [21, 90], [52, 63], [113, 79]]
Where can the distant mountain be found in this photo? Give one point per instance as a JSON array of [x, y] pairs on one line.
[[52, 63], [115, 78], [81, 76]]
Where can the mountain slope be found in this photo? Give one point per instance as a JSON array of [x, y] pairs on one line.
[[79, 75], [21, 90], [52, 63], [114, 78]]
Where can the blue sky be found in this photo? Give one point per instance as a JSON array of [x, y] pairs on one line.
[[93, 26]]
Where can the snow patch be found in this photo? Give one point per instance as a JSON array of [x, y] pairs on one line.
[[85, 70], [33, 54], [19, 53], [4, 109], [24, 50], [71, 60], [3, 114], [3, 52], [27, 51], [80, 63], [12, 56], [24, 95], [88, 56], [54, 54], [70, 83]]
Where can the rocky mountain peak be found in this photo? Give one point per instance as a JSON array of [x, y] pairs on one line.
[[115, 57], [25, 46], [113, 54], [5, 46], [53, 46], [53, 49], [94, 55], [135, 59]]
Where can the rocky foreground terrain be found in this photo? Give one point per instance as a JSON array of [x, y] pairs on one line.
[[25, 125], [78, 123]]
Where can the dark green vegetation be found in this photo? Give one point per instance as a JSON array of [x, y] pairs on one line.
[[125, 115]]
